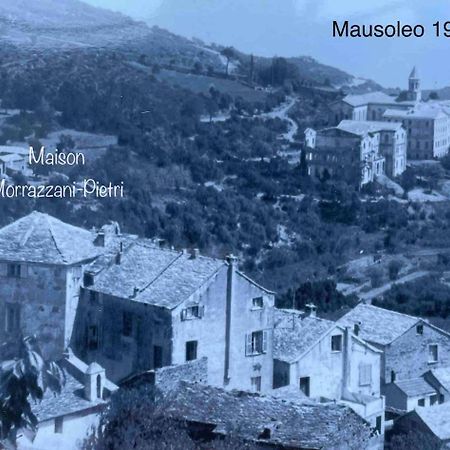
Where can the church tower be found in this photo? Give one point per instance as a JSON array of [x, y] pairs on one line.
[[414, 92]]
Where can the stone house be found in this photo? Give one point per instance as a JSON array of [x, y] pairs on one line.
[[338, 153], [268, 422], [410, 345], [328, 362], [153, 307], [41, 265], [432, 424], [440, 380], [406, 395], [65, 419], [393, 142]]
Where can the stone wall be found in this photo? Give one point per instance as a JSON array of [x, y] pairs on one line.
[[41, 294], [408, 356]]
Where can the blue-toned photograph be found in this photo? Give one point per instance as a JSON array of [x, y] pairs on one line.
[[224, 225]]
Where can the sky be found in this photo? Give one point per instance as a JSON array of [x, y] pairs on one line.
[[303, 27]]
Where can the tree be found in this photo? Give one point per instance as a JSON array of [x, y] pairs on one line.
[[25, 377], [394, 268], [229, 54], [376, 276], [139, 418], [433, 95]]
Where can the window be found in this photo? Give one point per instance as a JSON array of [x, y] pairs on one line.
[[434, 399], [421, 402], [92, 337], [393, 376], [127, 324], [378, 424], [59, 421], [192, 312], [191, 350], [305, 385], [419, 329], [14, 270], [12, 317], [433, 355], [88, 279], [256, 343], [157, 356], [365, 374], [336, 343], [256, 384], [258, 302]]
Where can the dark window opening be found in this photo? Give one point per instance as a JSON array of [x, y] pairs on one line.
[[157, 356], [12, 318], [99, 387], [127, 324], [191, 350], [421, 402], [336, 343], [305, 385], [434, 399], [92, 337], [419, 329], [392, 376], [14, 270], [258, 302], [59, 421]]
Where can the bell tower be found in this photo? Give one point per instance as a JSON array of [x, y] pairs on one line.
[[414, 91]]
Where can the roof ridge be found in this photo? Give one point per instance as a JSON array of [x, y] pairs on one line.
[[161, 272], [389, 310], [52, 234]]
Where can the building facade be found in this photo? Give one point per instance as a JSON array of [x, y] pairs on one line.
[[328, 362], [392, 142], [337, 153]]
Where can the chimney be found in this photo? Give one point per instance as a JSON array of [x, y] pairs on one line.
[[94, 382], [119, 257], [99, 240], [135, 292], [311, 308], [231, 281], [195, 253], [88, 279]]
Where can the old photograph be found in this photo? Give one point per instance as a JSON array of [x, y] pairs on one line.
[[224, 225]]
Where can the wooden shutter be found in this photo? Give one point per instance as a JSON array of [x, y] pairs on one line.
[[248, 344], [201, 311], [264, 343], [183, 314]]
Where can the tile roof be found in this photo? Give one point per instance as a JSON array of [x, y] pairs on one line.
[[363, 127], [415, 387], [152, 275], [437, 418], [70, 400], [40, 238], [8, 149], [421, 111], [248, 415], [371, 97], [442, 375], [294, 335], [378, 325]]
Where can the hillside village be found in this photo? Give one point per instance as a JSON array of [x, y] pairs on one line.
[[116, 309], [278, 272]]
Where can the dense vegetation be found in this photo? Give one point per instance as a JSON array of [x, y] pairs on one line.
[[219, 186]]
